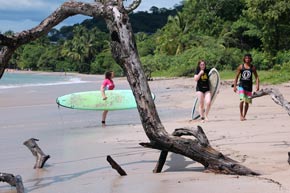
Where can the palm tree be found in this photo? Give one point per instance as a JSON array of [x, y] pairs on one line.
[[84, 46], [172, 36]]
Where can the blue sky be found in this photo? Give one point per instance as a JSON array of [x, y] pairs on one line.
[[19, 15]]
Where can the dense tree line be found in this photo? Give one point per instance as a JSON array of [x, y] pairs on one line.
[[78, 48], [170, 42], [221, 31]]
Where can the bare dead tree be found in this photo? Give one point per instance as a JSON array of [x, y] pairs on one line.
[[41, 157], [276, 96], [125, 53]]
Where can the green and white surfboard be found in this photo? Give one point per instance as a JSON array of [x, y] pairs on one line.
[[93, 100]]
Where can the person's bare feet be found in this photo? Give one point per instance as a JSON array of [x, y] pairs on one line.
[[242, 118]]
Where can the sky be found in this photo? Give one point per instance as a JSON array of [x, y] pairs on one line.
[[19, 15]]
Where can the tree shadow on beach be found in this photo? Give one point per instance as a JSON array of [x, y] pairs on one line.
[[42, 182], [178, 163]]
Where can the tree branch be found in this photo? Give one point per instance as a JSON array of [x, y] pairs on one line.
[[198, 150], [161, 162], [9, 178], [5, 55], [276, 96], [66, 10], [197, 133], [19, 184], [133, 6], [15, 181], [116, 166]]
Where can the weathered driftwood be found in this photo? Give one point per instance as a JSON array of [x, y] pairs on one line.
[[276, 96], [9, 178], [68, 9], [125, 53], [161, 161], [198, 133], [200, 151], [19, 184], [116, 166], [41, 157], [15, 181]]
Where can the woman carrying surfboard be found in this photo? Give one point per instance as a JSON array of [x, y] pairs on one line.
[[245, 71], [108, 84], [203, 89]]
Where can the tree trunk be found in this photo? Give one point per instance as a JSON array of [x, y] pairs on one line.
[[124, 51]]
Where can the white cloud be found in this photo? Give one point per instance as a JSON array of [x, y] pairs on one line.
[[33, 4], [26, 24], [147, 4], [17, 26], [18, 15]]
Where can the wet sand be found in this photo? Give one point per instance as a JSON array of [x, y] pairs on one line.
[[78, 145]]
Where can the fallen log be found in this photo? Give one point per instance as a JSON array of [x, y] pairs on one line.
[[116, 166], [276, 96], [199, 150], [41, 157]]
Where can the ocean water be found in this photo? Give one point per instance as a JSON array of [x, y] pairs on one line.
[[14, 80]]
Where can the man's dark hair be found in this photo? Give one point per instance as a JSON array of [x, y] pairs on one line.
[[248, 55]]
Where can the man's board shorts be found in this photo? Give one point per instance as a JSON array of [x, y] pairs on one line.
[[245, 95]]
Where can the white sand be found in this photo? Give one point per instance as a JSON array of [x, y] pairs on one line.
[[78, 145]]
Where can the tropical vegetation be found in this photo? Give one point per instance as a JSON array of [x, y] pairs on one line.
[[171, 41]]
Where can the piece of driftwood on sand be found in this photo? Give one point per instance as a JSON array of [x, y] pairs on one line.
[[116, 166], [201, 151], [276, 96], [13, 181], [41, 157]]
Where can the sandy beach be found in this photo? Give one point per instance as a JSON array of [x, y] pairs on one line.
[[78, 145]]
